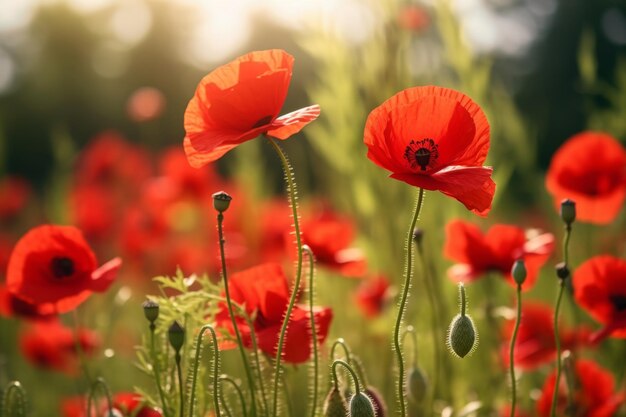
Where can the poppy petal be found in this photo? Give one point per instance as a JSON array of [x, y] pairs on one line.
[[291, 123], [103, 277], [472, 186]]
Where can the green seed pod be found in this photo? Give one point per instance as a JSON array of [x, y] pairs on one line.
[[518, 271], [151, 310], [176, 336], [335, 404], [221, 201], [568, 211], [462, 336], [379, 404], [361, 406], [416, 385]]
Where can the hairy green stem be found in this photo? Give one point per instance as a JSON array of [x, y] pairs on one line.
[[355, 379], [408, 266], [315, 364], [226, 378], [99, 383], [181, 387], [518, 319], [244, 357], [291, 189], [346, 349], [157, 372], [7, 401], [216, 369]]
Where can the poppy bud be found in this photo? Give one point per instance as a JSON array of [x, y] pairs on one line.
[[151, 310], [562, 271], [418, 235], [176, 336], [416, 385], [221, 201], [462, 335], [335, 404], [361, 406], [568, 211], [377, 400], [518, 271]]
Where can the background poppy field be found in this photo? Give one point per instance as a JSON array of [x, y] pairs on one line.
[[92, 100]]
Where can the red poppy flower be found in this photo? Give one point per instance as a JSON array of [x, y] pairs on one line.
[[14, 193], [535, 345], [372, 295], [93, 211], [414, 18], [263, 290], [594, 396], [239, 101], [497, 250], [188, 181], [53, 267], [589, 168], [13, 306], [126, 403], [600, 288], [50, 345], [330, 237], [436, 139]]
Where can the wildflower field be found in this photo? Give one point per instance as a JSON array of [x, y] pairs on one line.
[[361, 208]]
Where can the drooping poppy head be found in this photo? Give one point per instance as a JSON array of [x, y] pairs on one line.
[[51, 345], [534, 345], [263, 291], [589, 168], [600, 289], [593, 395], [239, 101], [434, 138], [495, 251], [54, 268]]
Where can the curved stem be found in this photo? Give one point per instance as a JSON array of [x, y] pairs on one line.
[[402, 306], [357, 386], [315, 364], [244, 357], [346, 349], [518, 319], [157, 372], [99, 383], [226, 378], [411, 330], [255, 351], [79, 348], [463, 299], [291, 188], [7, 400], [216, 368]]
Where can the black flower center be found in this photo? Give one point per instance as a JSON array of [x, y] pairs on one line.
[[619, 302], [262, 121], [421, 153], [62, 267]]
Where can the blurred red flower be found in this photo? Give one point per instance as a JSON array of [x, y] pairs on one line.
[[594, 396], [50, 345], [589, 168], [127, 403], [14, 194], [239, 101], [372, 295], [495, 251], [54, 268], [263, 290], [535, 344], [413, 17], [189, 182], [600, 289], [436, 139], [330, 237], [146, 103]]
